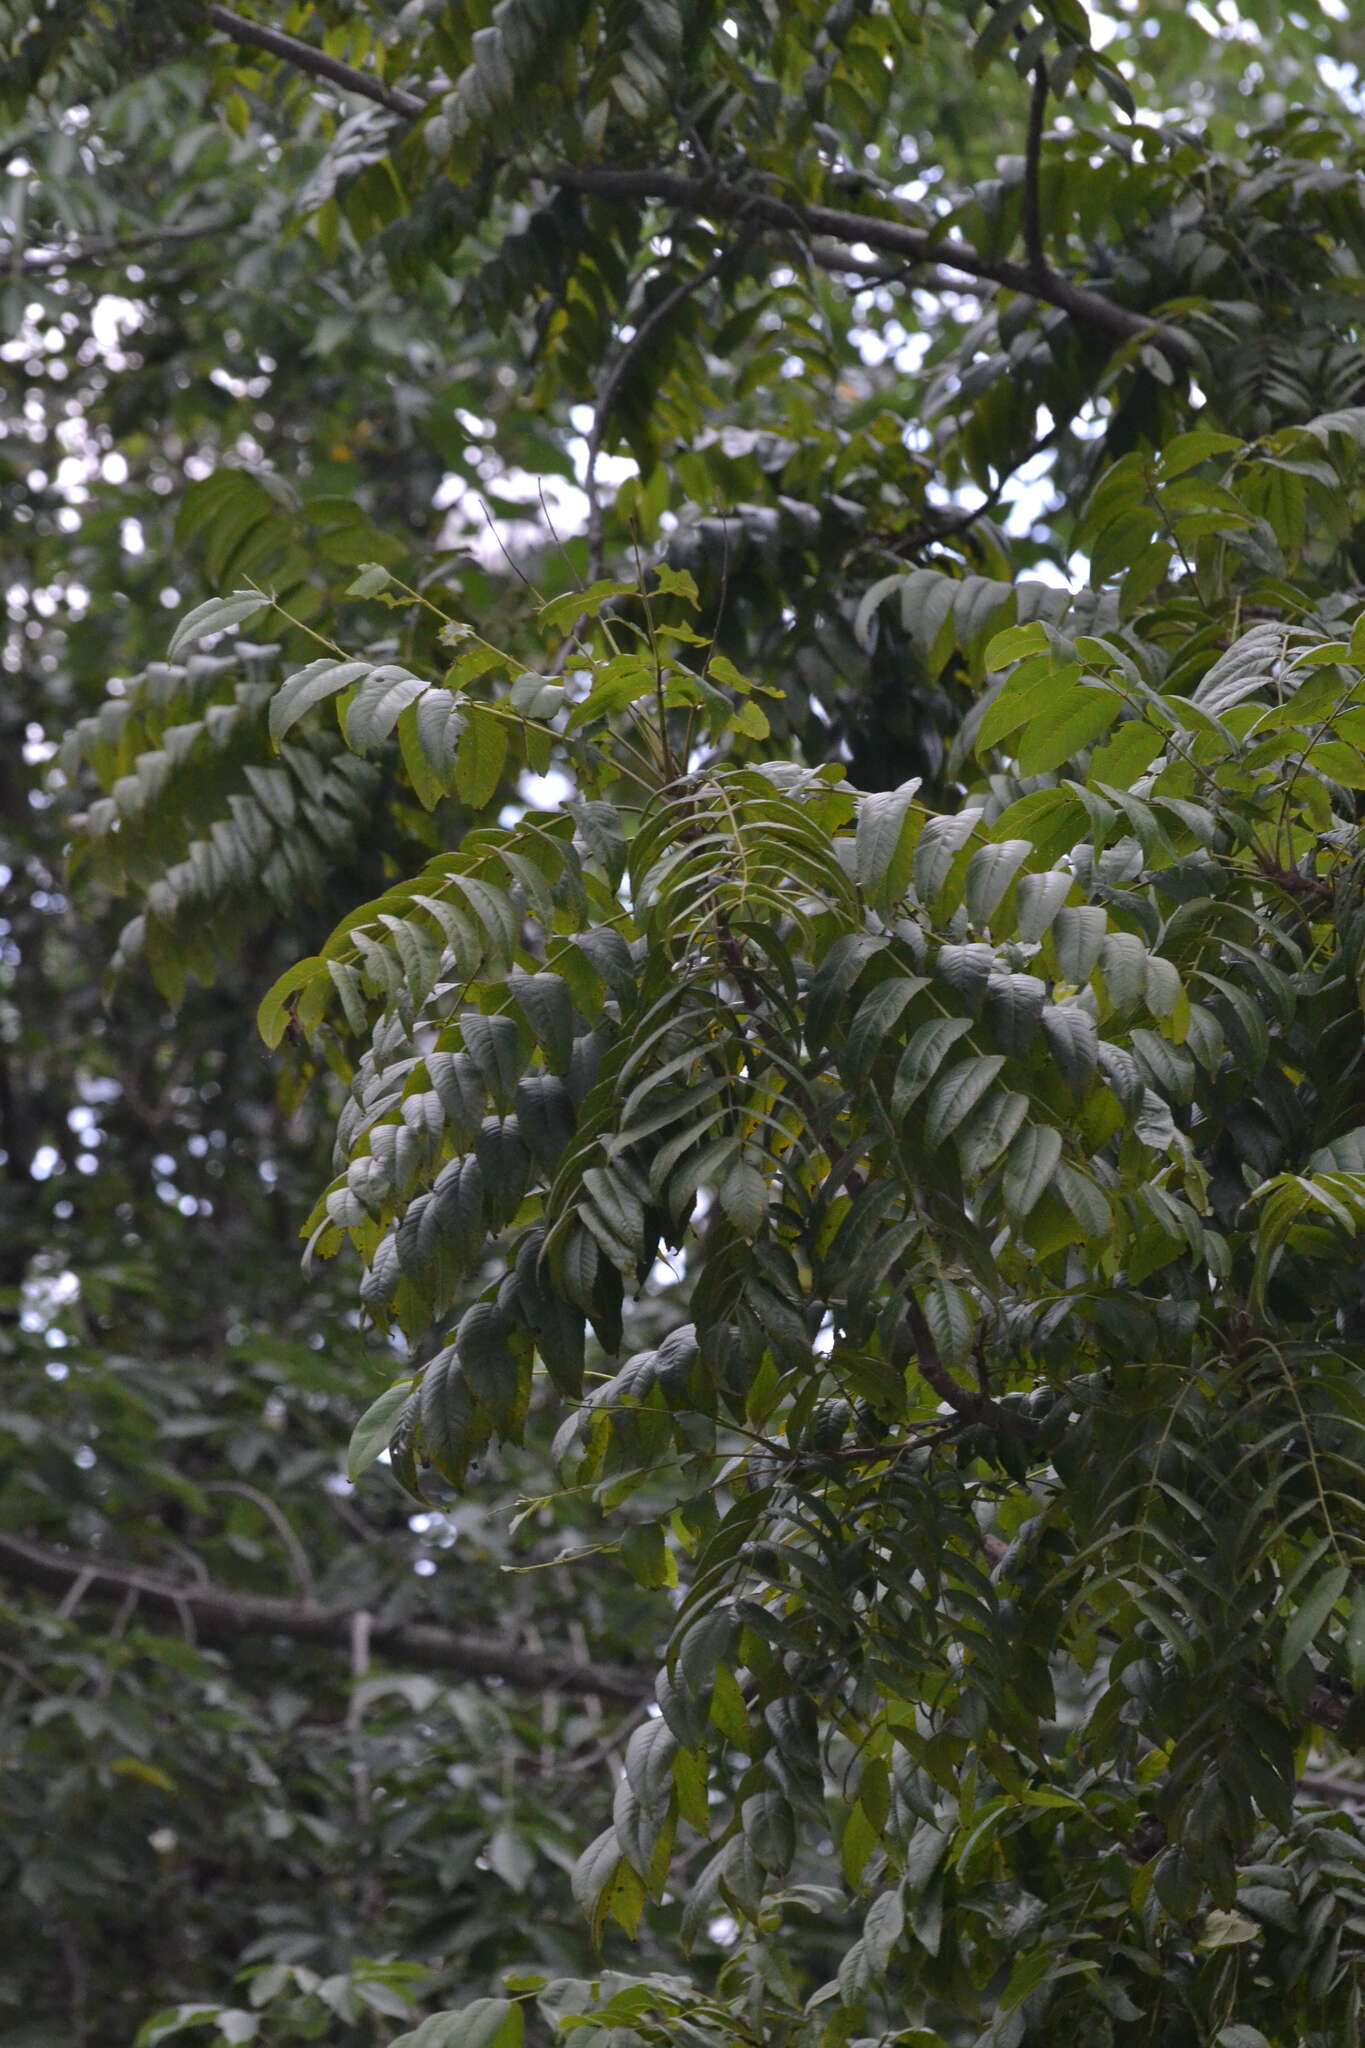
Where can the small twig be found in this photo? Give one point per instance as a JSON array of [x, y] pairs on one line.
[[74, 1595], [77, 1981], [368, 1892], [21, 1676], [1335, 1788], [834, 257], [517, 571], [547, 516], [1031, 205], [603, 1752], [611, 384], [100, 255], [979, 1360], [299, 1568], [929, 534]]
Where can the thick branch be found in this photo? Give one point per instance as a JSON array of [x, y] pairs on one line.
[[893, 237], [1312, 890], [222, 1615], [969, 1404], [711, 196]]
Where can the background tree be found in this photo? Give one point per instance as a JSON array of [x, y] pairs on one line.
[[913, 1218]]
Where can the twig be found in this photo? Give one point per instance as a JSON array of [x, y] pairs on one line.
[[1310, 889], [300, 1570], [100, 255], [516, 569], [606, 398], [1031, 206], [1334, 1788], [877, 270], [603, 1752], [928, 534], [74, 1595]]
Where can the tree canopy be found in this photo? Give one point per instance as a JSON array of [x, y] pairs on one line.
[[685, 689]]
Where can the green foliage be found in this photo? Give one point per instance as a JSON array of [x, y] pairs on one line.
[[822, 1008]]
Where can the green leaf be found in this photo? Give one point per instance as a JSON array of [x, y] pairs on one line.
[[480, 757], [925, 1052], [487, 2023], [495, 1371], [1077, 935], [1014, 643], [990, 871], [372, 579], [952, 1322], [1187, 450], [216, 616], [676, 583], [273, 1016], [1072, 722], [1355, 1639], [1087, 1203], [954, 1096], [768, 1825], [1030, 1167], [647, 1557], [374, 710], [371, 1434], [309, 686], [1038, 900], [937, 847], [1073, 1042], [885, 842], [1310, 1614], [1031, 693], [877, 1014], [988, 1134], [743, 1196], [547, 1006], [1223, 1929], [1123, 964], [578, 604], [602, 1880]]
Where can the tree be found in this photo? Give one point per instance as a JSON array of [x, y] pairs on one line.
[[836, 993]]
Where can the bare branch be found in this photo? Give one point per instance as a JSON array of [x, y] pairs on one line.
[[222, 1614]]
